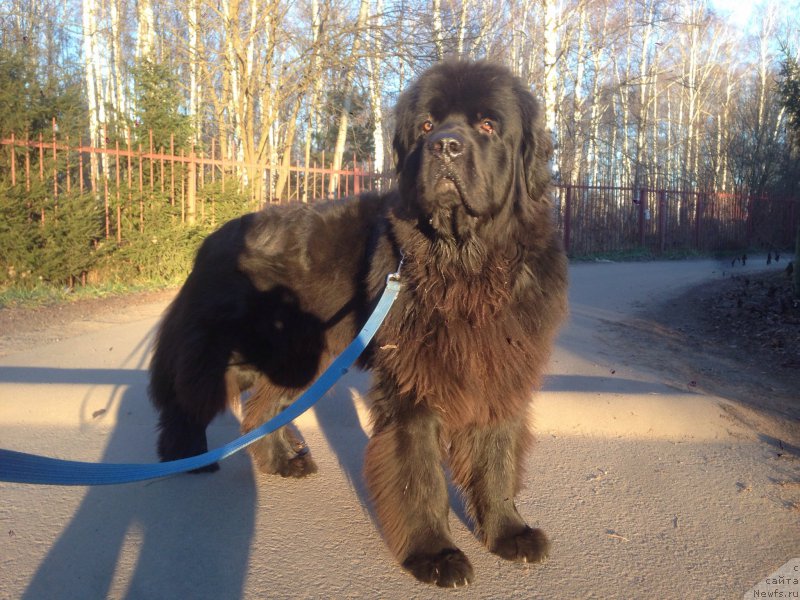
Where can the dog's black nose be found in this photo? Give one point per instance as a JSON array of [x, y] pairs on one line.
[[448, 145]]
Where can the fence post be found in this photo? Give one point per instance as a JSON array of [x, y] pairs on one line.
[[662, 221], [567, 218], [191, 206], [13, 157], [152, 172], [642, 215], [119, 202], [55, 167], [698, 216], [66, 160], [141, 191], [356, 177]]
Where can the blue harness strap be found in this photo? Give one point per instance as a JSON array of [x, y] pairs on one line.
[[19, 467]]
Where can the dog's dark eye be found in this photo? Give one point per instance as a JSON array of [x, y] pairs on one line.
[[487, 126], [427, 126]]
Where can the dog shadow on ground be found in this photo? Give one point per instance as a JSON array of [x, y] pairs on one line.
[[183, 537]]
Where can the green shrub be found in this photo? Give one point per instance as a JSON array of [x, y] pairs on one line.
[[63, 242], [44, 239]]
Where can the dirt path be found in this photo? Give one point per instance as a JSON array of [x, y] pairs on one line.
[[651, 479]]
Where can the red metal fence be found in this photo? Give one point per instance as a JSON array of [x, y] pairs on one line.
[[127, 175], [593, 219]]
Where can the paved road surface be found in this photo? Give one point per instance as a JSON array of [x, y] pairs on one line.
[[647, 491]]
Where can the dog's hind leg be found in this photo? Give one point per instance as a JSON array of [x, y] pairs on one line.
[[281, 452], [188, 400]]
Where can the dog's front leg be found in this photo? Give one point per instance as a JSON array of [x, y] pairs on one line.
[[486, 462], [404, 474]]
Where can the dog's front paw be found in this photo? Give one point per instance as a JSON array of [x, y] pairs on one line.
[[448, 568], [527, 545]]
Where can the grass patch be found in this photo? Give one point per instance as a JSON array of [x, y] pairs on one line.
[[48, 295], [640, 255]]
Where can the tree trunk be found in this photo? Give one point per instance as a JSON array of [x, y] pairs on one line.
[[120, 96], [551, 75], [374, 63], [576, 168], [462, 26], [145, 39], [344, 119], [438, 40], [92, 87], [195, 94], [313, 108]]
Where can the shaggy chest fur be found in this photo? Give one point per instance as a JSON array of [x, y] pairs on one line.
[[460, 343]]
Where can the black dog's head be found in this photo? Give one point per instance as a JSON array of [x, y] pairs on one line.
[[469, 147]]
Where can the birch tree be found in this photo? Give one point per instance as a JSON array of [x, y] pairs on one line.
[[145, 38], [645, 78], [575, 168], [93, 83], [194, 57], [374, 61], [313, 102], [344, 118], [438, 36], [119, 73], [550, 32], [598, 106]]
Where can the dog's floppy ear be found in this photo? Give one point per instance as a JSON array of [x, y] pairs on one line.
[[398, 150], [402, 110], [537, 145]]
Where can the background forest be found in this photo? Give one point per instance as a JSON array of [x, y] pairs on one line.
[[667, 94]]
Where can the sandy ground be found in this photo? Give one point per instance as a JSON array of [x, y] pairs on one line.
[[648, 485]]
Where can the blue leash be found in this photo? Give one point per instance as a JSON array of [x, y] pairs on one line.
[[19, 467]]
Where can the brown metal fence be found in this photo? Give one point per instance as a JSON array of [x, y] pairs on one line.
[[593, 219], [598, 219]]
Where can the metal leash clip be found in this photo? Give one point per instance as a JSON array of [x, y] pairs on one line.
[[396, 275]]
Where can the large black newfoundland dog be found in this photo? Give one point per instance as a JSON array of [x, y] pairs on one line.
[[275, 295]]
